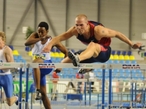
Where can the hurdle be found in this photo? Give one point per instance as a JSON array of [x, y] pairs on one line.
[[67, 65], [40, 65]]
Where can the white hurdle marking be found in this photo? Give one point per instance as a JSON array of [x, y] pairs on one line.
[[11, 65], [63, 65], [70, 65], [49, 65]]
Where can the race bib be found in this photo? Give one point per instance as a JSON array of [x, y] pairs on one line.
[[42, 56]]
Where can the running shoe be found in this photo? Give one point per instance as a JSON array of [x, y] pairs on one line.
[[74, 58], [38, 97], [82, 71]]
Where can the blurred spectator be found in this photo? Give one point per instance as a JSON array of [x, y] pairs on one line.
[[90, 75], [80, 84], [138, 98], [54, 90]]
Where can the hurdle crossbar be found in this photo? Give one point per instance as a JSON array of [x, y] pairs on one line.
[[11, 65], [73, 79], [70, 65], [49, 65]]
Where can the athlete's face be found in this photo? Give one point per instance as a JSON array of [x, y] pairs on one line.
[[42, 32], [81, 25], [1, 43]]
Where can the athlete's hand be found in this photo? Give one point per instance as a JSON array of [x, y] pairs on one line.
[[136, 46], [47, 48], [43, 38]]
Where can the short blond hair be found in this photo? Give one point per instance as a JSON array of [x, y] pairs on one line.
[[82, 16], [3, 36]]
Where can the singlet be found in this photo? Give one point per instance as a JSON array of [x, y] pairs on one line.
[[104, 41], [37, 50], [3, 59]]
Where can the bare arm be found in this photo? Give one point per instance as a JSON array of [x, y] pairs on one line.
[[105, 32], [68, 34], [33, 38], [8, 56], [62, 48]]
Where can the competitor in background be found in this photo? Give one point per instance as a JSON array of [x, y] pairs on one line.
[[40, 39], [6, 78]]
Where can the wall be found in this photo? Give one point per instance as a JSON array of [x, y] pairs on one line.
[[126, 16]]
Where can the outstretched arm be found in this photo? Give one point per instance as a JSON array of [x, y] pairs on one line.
[[71, 32], [106, 32]]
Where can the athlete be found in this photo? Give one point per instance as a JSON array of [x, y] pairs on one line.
[[6, 78], [95, 36], [40, 39]]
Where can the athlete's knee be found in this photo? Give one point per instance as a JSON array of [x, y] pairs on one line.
[[35, 61], [91, 44], [94, 46], [38, 60]]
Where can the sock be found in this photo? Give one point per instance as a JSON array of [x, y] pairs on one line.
[[38, 90], [16, 98]]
